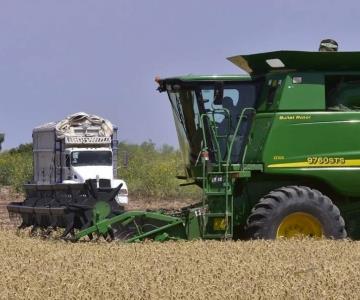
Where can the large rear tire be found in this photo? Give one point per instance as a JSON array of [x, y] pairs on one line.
[[295, 211]]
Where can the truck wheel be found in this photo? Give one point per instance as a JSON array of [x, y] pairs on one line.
[[295, 211]]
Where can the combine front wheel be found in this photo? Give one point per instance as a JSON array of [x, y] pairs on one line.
[[295, 211]]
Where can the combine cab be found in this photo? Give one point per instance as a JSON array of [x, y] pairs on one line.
[[275, 152]]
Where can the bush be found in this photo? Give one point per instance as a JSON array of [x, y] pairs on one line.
[[16, 166], [152, 172]]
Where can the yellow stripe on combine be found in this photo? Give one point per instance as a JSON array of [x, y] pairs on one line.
[[305, 164]]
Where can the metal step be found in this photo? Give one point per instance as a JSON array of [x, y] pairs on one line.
[[225, 234]]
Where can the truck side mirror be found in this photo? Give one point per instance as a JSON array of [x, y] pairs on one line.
[[126, 159], [1, 139], [67, 160]]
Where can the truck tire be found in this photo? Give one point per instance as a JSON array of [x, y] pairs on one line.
[[295, 211]]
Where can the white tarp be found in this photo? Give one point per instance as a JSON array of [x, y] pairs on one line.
[[83, 121]]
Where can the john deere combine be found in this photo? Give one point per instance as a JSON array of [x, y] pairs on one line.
[[276, 152]]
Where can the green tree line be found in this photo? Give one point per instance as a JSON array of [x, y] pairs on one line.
[[147, 170]]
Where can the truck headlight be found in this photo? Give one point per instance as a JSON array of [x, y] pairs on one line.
[[123, 192], [122, 197]]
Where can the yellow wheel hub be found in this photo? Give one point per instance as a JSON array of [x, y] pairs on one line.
[[299, 224]]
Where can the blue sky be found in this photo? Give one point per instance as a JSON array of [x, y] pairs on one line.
[[60, 57]]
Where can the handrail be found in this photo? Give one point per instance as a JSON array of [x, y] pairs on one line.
[[227, 115], [219, 111], [213, 133], [210, 116], [235, 134], [227, 168]]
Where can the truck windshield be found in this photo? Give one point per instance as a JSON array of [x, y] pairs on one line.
[[91, 158]]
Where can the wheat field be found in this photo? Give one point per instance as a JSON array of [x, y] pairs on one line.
[[32, 268]]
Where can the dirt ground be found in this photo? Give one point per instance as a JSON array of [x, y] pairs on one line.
[[34, 268], [168, 204], [6, 196]]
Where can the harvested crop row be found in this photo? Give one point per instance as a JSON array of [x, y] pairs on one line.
[[34, 268]]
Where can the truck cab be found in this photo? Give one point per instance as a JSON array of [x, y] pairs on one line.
[[82, 164], [76, 149], [87, 163]]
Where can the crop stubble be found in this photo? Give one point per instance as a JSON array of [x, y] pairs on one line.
[[35, 268], [32, 268]]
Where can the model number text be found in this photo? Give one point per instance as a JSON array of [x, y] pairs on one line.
[[314, 160]]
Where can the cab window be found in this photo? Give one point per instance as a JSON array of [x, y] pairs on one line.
[[342, 92]]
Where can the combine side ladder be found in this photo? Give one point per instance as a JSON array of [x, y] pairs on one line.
[[225, 191], [217, 193]]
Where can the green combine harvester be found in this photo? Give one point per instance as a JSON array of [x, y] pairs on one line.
[[275, 152]]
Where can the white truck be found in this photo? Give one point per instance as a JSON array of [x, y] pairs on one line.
[[75, 149]]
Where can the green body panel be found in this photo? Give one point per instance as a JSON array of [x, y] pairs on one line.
[[322, 145], [309, 95], [261, 127]]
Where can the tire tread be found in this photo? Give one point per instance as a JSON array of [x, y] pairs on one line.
[[279, 198]]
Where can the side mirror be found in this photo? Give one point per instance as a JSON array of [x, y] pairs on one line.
[[1, 139], [124, 156], [67, 160], [218, 92], [126, 159]]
